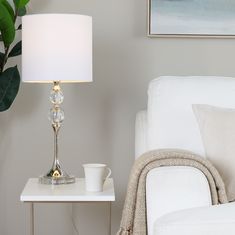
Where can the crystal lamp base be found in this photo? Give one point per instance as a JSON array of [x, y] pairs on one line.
[[55, 177]]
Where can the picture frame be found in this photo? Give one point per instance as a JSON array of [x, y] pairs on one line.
[[188, 18]]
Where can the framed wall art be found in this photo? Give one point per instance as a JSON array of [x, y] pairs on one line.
[[203, 18]]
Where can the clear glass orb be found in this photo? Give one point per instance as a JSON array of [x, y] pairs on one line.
[[56, 96], [56, 115]]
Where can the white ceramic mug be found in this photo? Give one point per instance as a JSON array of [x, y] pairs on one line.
[[95, 176]]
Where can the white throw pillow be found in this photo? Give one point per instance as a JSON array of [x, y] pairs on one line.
[[217, 126]]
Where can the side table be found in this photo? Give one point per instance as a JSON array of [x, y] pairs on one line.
[[34, 192]]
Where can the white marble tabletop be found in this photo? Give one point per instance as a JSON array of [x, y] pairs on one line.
[[36, 192]]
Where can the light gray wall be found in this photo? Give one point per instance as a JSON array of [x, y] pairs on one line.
[[99, 124]]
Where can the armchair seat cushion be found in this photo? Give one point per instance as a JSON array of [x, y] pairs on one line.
[[213, 220]]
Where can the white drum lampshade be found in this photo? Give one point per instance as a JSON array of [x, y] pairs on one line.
[[56, 47]]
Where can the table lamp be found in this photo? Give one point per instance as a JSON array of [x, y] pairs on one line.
[[56, 48]]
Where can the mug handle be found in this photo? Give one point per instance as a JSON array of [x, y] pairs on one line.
[[108, 175]]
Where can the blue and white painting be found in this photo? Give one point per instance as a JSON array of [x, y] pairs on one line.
[[192, 17]]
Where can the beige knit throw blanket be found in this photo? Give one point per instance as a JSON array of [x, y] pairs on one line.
[[134, 213]]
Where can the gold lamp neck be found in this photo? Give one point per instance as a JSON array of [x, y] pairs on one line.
[[56, 85]]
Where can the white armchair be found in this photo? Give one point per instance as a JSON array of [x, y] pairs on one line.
[[168, 122]]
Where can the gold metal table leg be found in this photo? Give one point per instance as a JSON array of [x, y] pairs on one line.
[[110, 218]]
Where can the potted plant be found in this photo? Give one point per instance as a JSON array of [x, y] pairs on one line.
[[9, 76]]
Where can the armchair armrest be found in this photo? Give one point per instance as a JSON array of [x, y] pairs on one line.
[[212, 220], [174, 188]]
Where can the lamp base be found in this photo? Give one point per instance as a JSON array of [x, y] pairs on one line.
[[56, 176]]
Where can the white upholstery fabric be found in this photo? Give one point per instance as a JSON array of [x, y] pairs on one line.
[[174, 188], [140, 133], [214, 220], [171, 122]]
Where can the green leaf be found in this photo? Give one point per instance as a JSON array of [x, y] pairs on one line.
[[7, 27], [9, 86], [20, 3], [0, 38], [9, 8], [21, 11], [16, 50], [1, 57]]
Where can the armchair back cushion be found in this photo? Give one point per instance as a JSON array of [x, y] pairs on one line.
[[170, 118]]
